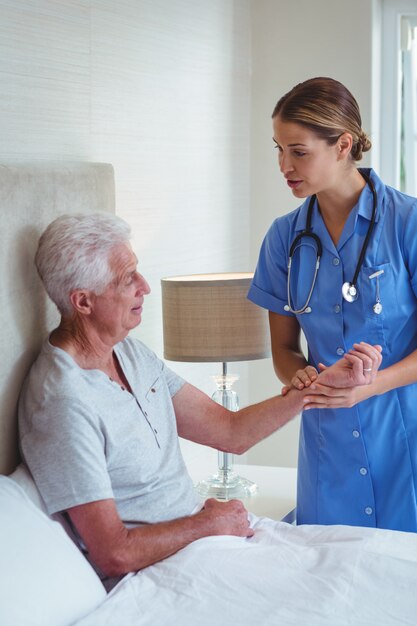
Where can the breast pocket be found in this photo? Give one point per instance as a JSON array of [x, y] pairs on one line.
[[377, 301]]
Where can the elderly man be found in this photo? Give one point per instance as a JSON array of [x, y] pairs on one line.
[[100, 414]]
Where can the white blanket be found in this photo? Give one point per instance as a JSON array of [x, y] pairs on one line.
[[284, 575]]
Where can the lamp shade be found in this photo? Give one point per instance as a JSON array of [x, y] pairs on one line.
[[207, 317]]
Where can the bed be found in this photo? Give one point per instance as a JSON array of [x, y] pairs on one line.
[[283, 575]]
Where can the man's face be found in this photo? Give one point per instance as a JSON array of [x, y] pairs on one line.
[[119, 308]]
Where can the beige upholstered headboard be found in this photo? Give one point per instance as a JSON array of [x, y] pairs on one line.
[[31, 196]]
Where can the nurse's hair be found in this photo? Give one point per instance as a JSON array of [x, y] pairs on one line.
[[74, 253], [326, 107]]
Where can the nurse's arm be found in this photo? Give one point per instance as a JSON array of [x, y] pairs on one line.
[[399, 374], [290, 364]]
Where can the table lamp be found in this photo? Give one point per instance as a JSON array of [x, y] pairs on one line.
[[208, 318]]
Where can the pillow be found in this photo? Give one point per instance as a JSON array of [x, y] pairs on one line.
[[44, 578], [23, 477]]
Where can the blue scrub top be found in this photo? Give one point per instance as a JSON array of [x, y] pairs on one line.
[[356, 466]]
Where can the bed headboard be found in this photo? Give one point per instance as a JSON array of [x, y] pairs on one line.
[[31, 196]]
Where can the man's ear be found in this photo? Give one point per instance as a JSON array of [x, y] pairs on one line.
[[344, 145], [82, 301]]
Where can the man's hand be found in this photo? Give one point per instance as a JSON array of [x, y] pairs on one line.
[[118, 550], [357, 367], [301, 379], [226, 518]]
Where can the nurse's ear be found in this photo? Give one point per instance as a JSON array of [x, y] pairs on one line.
[[344, 145]]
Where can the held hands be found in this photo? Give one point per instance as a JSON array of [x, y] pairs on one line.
[[344, 383], [357, 367], [340, 385], [226, 518]]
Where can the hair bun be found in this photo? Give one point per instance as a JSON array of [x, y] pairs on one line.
[[365, 142]]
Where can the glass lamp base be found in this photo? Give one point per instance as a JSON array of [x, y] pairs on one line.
[[226, 486]]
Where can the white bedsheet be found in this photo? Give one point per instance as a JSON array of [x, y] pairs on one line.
[[284, 575]]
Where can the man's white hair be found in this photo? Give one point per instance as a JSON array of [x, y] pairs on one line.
[[74, 253]]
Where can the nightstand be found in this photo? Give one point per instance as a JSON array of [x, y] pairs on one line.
[[277, 487]]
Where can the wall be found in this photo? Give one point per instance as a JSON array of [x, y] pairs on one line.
[[158, 88], [293, 40], [177, 94]]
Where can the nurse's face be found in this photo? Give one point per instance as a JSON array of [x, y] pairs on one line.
[[309, 165]]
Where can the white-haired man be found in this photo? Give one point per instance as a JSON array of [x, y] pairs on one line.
[[100, 414]]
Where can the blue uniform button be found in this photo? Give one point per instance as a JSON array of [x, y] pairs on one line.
[[368, 510], [355, 433], [340, 351], [336, 261], [336, 308], [363, 471]]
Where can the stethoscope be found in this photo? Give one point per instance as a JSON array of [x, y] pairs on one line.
[[349, 289]]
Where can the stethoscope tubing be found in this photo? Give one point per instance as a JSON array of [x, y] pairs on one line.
[[370, 229], [307, 232], [305, 308]]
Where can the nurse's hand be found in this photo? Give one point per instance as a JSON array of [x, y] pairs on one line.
[[333, 398], [339, 384], [301, 379], [357, 367]]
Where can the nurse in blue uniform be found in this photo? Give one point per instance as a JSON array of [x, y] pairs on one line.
[[358, 448]]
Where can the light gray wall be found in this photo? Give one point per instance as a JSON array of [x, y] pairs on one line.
[[163, 90], [158, 88], [293, 40]]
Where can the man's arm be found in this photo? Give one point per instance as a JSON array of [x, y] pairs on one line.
[[202, 420], [118, 550]]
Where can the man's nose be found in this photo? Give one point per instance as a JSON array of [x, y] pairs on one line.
[[143, 284]]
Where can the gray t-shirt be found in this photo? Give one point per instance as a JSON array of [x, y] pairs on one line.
[[84, 438]]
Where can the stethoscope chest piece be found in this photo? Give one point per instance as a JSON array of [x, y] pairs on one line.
[[349, 292]]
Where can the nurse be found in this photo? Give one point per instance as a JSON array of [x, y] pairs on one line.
[[358, 457]]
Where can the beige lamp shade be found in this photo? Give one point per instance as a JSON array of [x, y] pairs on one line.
[[207, 317]]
